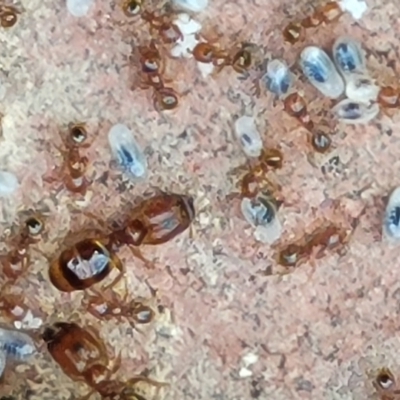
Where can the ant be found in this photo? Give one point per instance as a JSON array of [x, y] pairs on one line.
[[255, 181], [313, 246], [152, 67], [83, 356], [87, 257], [294, 32], [161, 25], [296, 106], [112, 306], [75, 165], [16, 262], [326, 237]]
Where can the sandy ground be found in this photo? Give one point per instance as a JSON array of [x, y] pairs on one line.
[[225, 331]]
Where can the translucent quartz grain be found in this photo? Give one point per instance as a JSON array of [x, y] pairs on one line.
[[8, 183], [191, 5], [79, 8], [356, 8], [186, 24], [248, 136], [189, 28]]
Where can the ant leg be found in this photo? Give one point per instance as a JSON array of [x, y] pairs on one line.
[[125, 297], [153, 292], [88, 396], [314, 266], [212, 37], [8, 270], [168, 80], [114, 282], [156, 102], [64, 153], [143, 85], [139, 378], [220, 62], [116, 366], [138, 254], [256, 87], [103, 225], [87, 303], [25, 262], [121, 268], [94, 293], [84, 160], [12, 273], [192, 232]]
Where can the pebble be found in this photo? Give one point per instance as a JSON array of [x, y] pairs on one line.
[[8, 183], [191, 5], [79, 8]]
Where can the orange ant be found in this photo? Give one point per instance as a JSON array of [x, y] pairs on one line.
[[294, 32], [75, 165], [16, 262]]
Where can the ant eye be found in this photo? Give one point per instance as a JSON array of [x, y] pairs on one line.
[[8, 19], [290, 255], [34, 226], [385, 380], [295, 105], [320, 141], [151, 65], [272, 158], [166, 99], [132, 7], [144, 315], [293, 33], [78, 134], [169, 100]]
